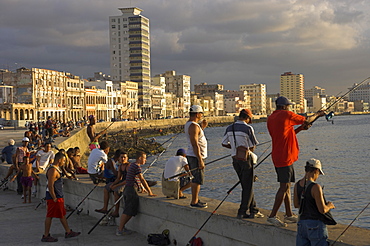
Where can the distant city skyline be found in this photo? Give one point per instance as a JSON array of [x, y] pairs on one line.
[[233, 42]]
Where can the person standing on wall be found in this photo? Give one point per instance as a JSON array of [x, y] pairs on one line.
[[240, 138], [285, 150], [197, 152], [314, 210]]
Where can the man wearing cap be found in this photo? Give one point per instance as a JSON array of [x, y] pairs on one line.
[[175, 165], [314, 210], [240, 138], [285, 150], [197, 152], [7, 153], [94, 138]]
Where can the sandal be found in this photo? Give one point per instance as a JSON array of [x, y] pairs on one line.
[[115, 215], [182, 197]]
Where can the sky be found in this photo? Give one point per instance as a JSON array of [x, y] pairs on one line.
[[229, 42]]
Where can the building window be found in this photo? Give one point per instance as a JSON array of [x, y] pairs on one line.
[[113, 26]]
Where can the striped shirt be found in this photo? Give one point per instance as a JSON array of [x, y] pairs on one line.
[[133, 170], [244, 136]]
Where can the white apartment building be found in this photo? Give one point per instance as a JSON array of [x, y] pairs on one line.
[[234, 105], [361, 93], [179, 85], [104, 99], [292, 87], [257, 97], [130, 53]]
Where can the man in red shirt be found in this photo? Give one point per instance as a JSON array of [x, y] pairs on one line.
[[285, 152]]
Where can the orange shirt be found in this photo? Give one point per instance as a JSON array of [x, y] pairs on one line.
[[285, 147]]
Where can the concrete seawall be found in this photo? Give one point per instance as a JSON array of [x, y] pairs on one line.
[[159, 213]]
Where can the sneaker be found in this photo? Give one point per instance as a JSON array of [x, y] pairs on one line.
[[22, 196], [275, 221], [257, 215], [198, 205], [71, 234], [48, 239], [125, 231], [204, 203], [291, 219]]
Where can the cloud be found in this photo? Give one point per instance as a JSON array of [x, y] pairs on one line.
[[219, 41]]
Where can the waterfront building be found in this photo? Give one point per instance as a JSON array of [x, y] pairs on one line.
[[130, 53], [310, 93], [212, 93], [75, 94], [257, 97], [318, 103], [104, 99], [234, 105], [292, 87], [132, 95], [361, 106], [37, 94], [361, 93], [179, 85]]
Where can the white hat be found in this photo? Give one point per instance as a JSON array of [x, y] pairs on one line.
[[25, 139], [315, 164], [196, 109], [11, 142]]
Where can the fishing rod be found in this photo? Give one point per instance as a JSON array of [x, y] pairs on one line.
[[351, 223], [221, 158], [110, 209], [129, 106], [228, 193], [214, 211], [160, 154], [79, 211]]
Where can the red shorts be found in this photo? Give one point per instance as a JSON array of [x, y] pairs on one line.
[[56, 209]]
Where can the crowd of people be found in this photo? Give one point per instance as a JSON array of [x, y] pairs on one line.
[[125, 179]]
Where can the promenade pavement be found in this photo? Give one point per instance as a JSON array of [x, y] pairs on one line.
[[21, 224]]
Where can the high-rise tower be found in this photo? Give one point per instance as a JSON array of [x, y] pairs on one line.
[[292, 87], [130, 53]]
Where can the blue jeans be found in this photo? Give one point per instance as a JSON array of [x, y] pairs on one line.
[[311, 233]]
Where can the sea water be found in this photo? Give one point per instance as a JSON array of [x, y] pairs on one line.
[[342, 148]]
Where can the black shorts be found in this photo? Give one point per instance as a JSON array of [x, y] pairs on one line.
[[131, 201], [285, 174], [197, 173], [184, 181]]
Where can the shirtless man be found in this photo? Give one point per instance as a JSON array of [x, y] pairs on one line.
[[94, 138], [26, 180]]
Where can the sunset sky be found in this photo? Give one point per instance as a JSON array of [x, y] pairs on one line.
[[228, 42]]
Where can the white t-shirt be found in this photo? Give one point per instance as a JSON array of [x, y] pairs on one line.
[[45, 158], [95, 158], [175, 165]]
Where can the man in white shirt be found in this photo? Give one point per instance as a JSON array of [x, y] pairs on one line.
[[175, 165], [96, 161], [43, 158]]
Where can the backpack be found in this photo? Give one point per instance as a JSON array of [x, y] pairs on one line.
[[159, 239]]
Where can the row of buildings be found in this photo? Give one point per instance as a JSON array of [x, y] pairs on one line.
[[131, 92], [33, 94]]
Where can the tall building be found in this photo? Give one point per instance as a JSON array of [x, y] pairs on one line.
[[257, 97], [292, 87], [130, 53]]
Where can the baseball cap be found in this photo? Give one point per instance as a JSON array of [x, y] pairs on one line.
[[246, 112], [11, 142], [181, 152], [282, 101], [25, 139], [196, 109], [315, 164]]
